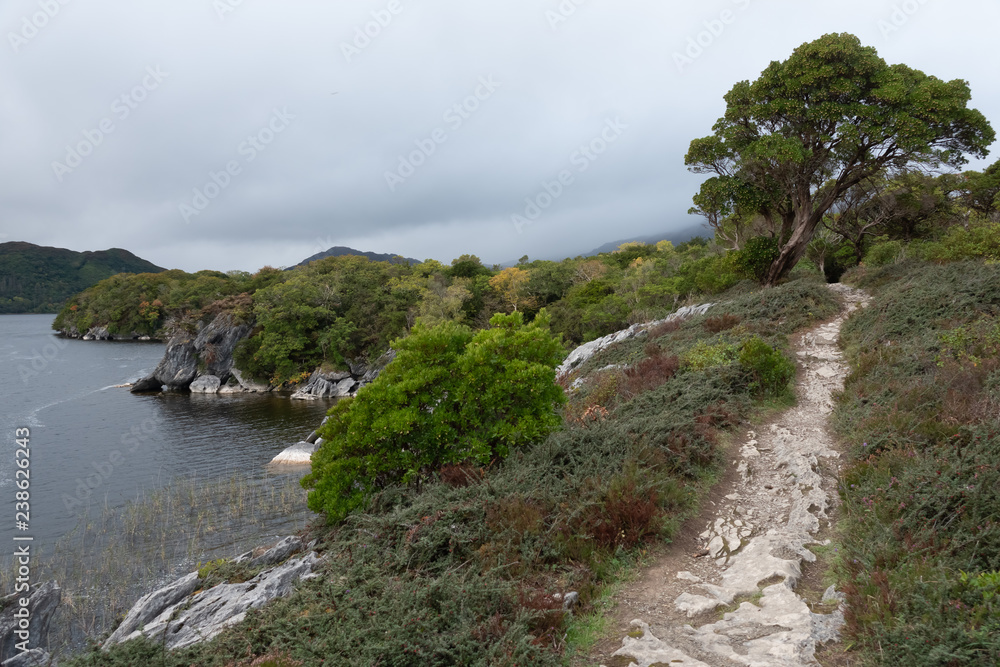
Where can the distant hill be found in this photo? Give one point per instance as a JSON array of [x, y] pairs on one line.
[[339, 250], [674, 237], [39, 279]]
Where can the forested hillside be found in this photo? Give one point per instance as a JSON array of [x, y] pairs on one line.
[[38, 279]]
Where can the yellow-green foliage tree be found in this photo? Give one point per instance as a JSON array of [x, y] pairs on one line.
[[512, 286]]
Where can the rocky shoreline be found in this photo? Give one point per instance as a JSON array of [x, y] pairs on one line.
[[179, 614], [201, 362], [185, 612]]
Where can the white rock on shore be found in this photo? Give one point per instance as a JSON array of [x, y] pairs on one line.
[[298, 454]]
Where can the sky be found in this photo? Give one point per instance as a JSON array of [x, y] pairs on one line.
[[234, 134]]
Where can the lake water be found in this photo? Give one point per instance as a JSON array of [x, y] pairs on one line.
[[95, 446]]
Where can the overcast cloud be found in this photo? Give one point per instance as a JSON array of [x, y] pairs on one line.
[[231, 134]]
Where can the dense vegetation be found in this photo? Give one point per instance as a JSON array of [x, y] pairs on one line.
[[921, 412], [458, 565], [342, 309], [151, 303], [36, 279]]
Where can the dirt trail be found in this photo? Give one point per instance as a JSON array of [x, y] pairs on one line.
[[728, 596]]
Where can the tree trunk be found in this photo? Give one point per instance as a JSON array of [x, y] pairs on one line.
[[793, 250]]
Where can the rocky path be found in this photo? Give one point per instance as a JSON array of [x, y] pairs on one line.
[[731, 598]]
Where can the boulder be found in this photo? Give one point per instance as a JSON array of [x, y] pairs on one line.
[[342, 383], [247, 384], [216, 342], [42, 604], [177, 369], [98, 333], [146, 385], [297, 454], [326, 385], [376, 367], [232, 387], [206, 384]]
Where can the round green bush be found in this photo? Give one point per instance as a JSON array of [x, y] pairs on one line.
[[770, 371], [756, 257], [451, 396]]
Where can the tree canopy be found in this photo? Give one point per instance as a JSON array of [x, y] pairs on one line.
[[793, 142]]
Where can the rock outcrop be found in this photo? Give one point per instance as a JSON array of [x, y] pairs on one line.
[[202, 363], [339, 384], [336, 384], [207, 354], [42, 603], [587, 350], [180, 615]]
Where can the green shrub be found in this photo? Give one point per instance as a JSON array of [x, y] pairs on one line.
[[769, 369], [211, 566], [703, 355], [755, 258], [885, 252], [449, 397], [980, 240]]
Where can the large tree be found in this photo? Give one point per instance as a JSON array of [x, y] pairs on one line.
[[833, 114]]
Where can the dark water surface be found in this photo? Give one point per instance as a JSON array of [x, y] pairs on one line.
[[94, 445]]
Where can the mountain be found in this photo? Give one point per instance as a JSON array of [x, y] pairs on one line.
[[39, 279], [675, 237], [337, 251]]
